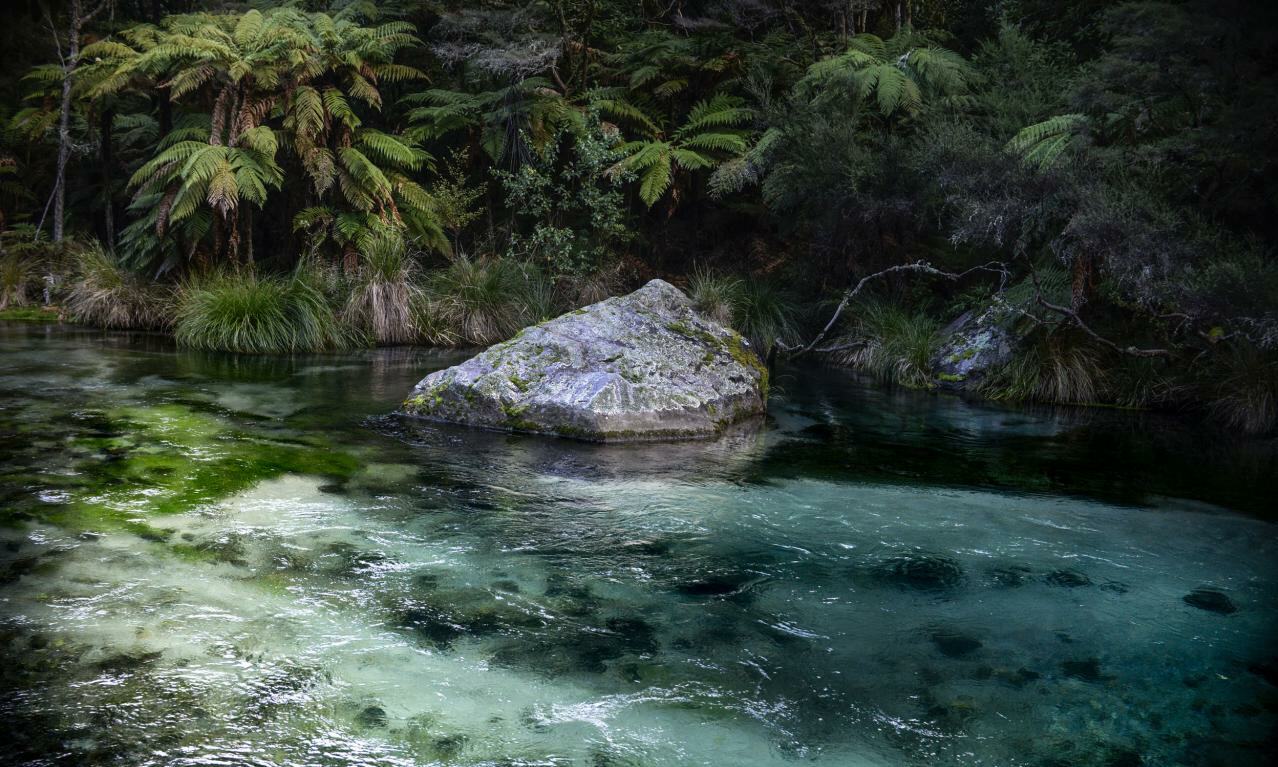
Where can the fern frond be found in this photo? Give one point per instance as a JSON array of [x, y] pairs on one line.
[[656, 179], [1041, 144]]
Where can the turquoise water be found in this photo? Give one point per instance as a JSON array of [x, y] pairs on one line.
[[218, 560]]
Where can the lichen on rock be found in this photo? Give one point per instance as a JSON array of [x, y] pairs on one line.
[[972, 346], [639, 367]]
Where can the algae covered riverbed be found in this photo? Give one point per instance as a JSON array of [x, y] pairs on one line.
[[232, 560]]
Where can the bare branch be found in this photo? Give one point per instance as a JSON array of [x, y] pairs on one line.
[[997, 267], [1072, 315], [57, 41]]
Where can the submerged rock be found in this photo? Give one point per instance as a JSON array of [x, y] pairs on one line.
[[639, 367], [1211, 600], [1070, 579], [922, 572], [1088, 670], [952, 644]]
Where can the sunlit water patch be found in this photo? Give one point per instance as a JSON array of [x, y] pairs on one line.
[[221, 560]]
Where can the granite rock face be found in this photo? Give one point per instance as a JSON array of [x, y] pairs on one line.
[[639, 367]]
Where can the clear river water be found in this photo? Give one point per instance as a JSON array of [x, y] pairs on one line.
[[222, 560]]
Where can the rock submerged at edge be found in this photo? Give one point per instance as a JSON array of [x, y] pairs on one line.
[[640, 367]]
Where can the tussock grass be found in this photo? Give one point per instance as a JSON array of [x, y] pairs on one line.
[[1245, 397], [15, 279], [757, 309], [892, 344], [105, 294], [246, 312], [385, 290], [483, 301], [1056, 368]]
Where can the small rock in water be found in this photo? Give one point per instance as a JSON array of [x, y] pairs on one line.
[[922, 572], [1267, 671], [714, 586], [372, 716], [1010, 576], [1124, 757], [955, 645], [1211, 600], [1088, 670], [1068, 579]]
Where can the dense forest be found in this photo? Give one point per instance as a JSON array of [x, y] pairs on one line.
[[1090, 184]]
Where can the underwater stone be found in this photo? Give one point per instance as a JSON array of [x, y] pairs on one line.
[[714, 586], [640, 367], [1011, 575], [922, 572], [955, 645], [1088, 670], [372, 716], [1068, 578], [1211, 600]]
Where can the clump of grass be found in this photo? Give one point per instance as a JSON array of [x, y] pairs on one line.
[[717, 296], [593, 287], [247, 312], [757, 309], [891, 344], [15, 278], [1245, 397], [108, 295], [386, 288], [1054, 368], [483, 301]]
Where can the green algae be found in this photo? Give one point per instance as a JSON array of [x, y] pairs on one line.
[[136, 462]]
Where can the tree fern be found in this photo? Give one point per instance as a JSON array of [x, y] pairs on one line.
[[1042, 144]]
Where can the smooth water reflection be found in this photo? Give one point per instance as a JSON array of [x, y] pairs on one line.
[[233, 561]]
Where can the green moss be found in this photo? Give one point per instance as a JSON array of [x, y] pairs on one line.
[[31, 314], [952, 377], [521, 384]]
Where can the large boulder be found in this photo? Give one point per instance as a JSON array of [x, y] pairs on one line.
[[639, 367]]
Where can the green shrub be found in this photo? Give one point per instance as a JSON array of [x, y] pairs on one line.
[[105, 294], [891, 344], [385, 290], [245, 312]]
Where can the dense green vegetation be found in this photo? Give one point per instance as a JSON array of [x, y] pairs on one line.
[[1096, 179]]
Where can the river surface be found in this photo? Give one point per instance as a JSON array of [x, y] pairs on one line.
[[221, 560]]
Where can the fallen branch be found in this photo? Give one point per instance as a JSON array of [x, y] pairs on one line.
[[1072, 315], [918, 266]]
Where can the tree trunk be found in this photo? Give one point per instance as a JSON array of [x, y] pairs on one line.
[[108, 201], [64, 119], [246, 217]]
